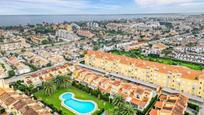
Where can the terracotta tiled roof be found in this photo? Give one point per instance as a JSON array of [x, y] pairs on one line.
[[171, 104], [21, 103], [185, 72], [18, 105], [127, 90], [153, 112]]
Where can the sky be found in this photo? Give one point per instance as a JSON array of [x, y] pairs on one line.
[[52, 7]]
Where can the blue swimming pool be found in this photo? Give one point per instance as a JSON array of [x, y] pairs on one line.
[[77, 106]]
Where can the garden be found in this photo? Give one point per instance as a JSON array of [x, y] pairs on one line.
[[50, 92]]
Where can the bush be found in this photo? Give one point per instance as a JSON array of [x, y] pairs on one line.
[[193, 106], [105, 97], [11, 73], [54, 109], [99, 112]]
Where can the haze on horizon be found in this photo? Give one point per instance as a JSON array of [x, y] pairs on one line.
[[40, 7]]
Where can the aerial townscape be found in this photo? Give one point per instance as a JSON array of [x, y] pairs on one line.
[[117, 67], [101, 64]]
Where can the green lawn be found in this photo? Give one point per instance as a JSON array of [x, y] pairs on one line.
[[166, 60], [54, 99]]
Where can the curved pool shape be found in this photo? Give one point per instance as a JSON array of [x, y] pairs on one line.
[[79, 107]]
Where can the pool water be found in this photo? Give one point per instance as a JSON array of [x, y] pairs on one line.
[[76, 105]]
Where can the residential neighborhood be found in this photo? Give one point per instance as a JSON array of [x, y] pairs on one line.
[[132, 66]]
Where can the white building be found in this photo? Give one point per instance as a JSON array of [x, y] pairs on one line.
[[67, 36], [92, 24]]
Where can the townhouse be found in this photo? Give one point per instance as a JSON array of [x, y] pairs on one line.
[[20, 104], [13, 45], [175, 77], [135, 94], [34, 59], [174, 104], [19, 66], [52, 57], [85, 33], [190, 57], [37, 78]]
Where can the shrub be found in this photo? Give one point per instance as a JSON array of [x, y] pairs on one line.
[[193, 106], [99, 112]]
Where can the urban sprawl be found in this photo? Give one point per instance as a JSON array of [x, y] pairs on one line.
[[141, 66]]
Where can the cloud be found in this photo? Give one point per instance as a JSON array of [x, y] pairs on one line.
[[22, 7], [161, 2], [56, 7]]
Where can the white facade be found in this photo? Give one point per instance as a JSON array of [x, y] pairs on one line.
[[67, 36]]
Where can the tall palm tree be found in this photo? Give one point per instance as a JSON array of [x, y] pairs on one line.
[[49, 88], [127, 109], [66, 81], [62, 81], [58, 81], [118, 101]]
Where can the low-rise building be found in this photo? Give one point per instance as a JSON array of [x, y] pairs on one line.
[[134, 94], [66, 35], [36, 79], [19, 66], [21, 104], [13, 45], [85, 33], [51, 57], [174, 104], [36, 60]]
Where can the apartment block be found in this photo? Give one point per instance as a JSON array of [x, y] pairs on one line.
[[175, 77]]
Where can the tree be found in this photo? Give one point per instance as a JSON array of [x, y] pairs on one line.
[[118, 101], [62, 81], [127, 109], [49, 88], [11, 73], [45, 42], [66, 82], [116, 111]]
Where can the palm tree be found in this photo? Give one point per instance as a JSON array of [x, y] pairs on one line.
[[49, 88], [62, 81], [58, 81], [116, 111], [66, 82], [127, 109], [118, 100]]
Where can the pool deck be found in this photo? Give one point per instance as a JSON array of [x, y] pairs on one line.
[[74, 111]]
